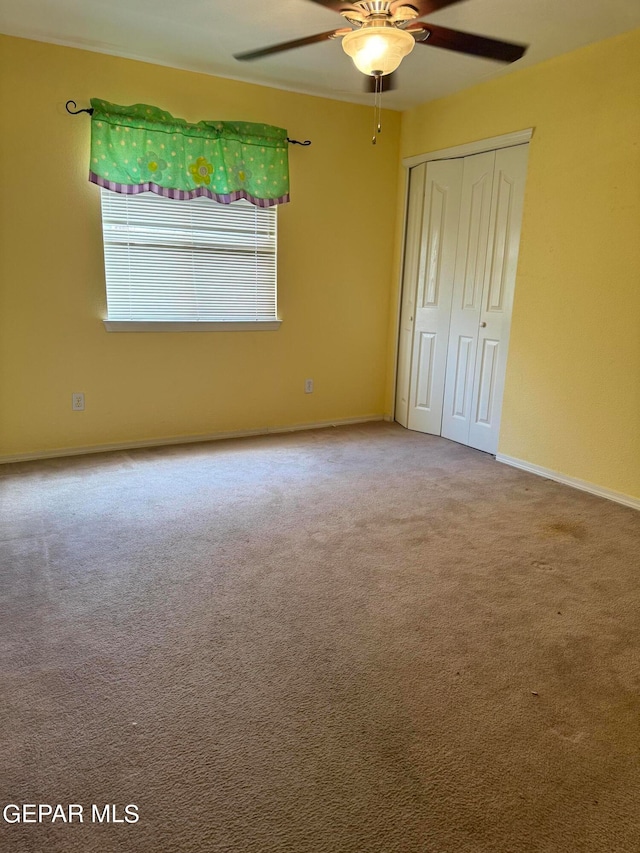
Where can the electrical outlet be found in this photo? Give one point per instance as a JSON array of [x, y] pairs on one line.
[[308, 386], [77, 402]]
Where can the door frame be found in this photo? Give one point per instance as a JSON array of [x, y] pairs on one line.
[[506, 140]]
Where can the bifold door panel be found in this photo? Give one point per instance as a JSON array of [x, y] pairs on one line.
[[468, 283], [500, 279], [431, 305]]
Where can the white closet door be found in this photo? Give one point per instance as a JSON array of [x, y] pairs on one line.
[[497, 298], [434, 287], [413, 232], [462, 239], [469, 279]]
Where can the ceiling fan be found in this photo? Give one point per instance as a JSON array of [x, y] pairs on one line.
[[383, 32]]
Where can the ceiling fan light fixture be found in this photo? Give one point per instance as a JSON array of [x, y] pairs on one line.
[[377, 50]]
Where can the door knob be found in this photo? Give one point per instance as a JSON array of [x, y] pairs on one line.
[[483, 325]]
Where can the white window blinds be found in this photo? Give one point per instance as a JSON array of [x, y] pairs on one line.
[[188, 261]]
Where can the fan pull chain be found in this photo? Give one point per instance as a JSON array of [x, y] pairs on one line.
[[377, 107]]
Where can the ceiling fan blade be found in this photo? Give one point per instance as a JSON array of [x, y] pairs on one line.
[[502, 51], [387, 81], [285, 45]]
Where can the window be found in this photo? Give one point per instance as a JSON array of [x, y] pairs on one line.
[[196, 262]]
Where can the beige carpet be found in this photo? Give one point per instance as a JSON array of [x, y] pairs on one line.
[[355, 640]]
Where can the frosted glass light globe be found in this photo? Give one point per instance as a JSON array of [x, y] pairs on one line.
[[377, 50]]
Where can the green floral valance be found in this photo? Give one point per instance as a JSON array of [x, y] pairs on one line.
[[144, 149]]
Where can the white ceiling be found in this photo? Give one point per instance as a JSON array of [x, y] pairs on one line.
[[202, 35]]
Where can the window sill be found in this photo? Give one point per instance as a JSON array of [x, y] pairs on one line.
[[190, 326]]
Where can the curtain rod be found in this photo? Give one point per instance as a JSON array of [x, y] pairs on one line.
[[75, 112]]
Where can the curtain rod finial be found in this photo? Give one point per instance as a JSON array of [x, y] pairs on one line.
[[74, 111]]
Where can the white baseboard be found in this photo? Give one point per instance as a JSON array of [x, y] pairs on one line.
[[183, 439], [583, 485]]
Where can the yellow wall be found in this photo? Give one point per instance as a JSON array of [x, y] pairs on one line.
[[335, 269], [572, 400], [572, 396]]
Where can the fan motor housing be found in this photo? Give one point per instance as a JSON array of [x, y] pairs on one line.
[[379, 13]]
